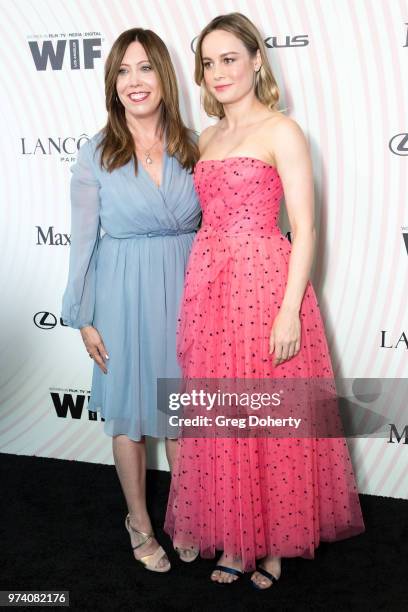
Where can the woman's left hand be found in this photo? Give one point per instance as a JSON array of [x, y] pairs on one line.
[[285, 336]]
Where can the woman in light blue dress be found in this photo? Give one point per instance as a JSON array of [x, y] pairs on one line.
[[134, 218]]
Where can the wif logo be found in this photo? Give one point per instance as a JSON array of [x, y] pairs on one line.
[[75, 52], [71, 403]]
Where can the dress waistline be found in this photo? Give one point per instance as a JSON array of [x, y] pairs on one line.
[[216, 249], [155, 233], [209, 230]]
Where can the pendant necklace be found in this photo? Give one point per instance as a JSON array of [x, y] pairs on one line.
[[148, 159]]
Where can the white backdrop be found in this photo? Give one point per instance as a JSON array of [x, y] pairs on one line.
[[340, 67]]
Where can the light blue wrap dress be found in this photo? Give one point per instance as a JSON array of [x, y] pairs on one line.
[[130, 242]]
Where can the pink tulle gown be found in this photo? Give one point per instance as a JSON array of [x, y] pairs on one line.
[[252, 496]]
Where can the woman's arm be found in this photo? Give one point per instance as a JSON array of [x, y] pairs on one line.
[[78, 303], [291, 152], [79, 298]]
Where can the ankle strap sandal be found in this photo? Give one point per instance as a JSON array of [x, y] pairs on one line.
[[148, 561]]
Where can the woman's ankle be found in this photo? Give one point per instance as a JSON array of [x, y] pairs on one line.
[[140, 521]]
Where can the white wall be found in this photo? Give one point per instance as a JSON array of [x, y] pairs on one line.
[[346, 89]]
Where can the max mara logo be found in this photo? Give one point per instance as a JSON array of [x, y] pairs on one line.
[[398, 435], [48, 236]]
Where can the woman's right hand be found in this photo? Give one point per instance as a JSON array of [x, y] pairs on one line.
[[95, 346]]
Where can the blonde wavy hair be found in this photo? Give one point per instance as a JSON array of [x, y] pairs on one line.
[[117, 145], [266, 88]]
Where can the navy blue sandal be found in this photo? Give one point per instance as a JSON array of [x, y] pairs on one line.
[[227, 570], [270, 577]]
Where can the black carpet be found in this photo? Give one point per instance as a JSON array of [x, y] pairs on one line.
[[62, 527]]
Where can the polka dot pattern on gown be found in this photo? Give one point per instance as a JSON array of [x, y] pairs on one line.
[[252, 497]]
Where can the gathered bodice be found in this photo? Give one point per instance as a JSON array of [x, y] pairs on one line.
[[240, 199], [239, 195]]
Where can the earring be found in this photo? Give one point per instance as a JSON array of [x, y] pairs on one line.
[[257, 76]]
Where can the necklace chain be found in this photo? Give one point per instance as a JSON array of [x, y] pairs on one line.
[[146, 152]]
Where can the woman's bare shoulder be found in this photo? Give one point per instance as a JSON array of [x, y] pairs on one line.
[[205, 136], [287, 143], [280, 127]]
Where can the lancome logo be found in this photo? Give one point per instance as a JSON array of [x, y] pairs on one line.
[[49, 146], [53, 145], [393, 341], [72, 50]]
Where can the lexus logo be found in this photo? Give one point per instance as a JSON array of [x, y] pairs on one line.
[[273, 42], [399, 144], [45, 320]]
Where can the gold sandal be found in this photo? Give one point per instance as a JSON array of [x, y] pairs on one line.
[[149, 561]]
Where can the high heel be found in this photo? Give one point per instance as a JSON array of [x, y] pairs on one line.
[[148, 561]]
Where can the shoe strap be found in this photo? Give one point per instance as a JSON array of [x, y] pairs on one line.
[[228, 570], [147, 536], [265, 573], [154, 557]]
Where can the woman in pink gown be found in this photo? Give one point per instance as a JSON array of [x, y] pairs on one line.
[[249, 311]]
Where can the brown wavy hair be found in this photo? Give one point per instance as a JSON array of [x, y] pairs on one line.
[[266, 88], [117, 144]]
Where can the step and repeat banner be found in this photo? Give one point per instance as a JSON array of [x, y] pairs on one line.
[[341, 68]]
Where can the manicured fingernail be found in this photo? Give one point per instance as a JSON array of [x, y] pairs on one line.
[[107, 356]]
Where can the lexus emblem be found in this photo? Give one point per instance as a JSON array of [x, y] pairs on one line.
[[399, 144], [45, 320]]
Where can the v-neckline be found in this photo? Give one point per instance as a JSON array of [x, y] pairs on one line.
[[163, 174]]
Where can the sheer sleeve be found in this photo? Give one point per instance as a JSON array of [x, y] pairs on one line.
[[78, 302]]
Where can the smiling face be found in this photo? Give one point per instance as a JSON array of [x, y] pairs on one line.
[[229, 69], [137, 84]]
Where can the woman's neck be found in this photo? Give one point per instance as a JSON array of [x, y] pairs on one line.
[[144, 129], [242, 113]]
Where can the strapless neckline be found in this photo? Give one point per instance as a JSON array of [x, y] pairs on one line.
[[238, 157]]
